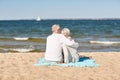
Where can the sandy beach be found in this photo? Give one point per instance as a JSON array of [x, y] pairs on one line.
[[20, 66]]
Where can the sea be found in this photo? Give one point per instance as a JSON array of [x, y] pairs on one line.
[[93, 35]]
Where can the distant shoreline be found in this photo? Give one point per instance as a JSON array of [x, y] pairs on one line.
[[65, 19]]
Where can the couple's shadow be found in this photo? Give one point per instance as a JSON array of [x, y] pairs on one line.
[[83, 58]]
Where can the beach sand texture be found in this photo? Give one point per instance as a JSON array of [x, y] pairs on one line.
[[20, 66]]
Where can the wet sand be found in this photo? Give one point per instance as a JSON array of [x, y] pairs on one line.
[[20, 66]]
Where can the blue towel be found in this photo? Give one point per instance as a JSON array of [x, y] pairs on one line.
[[81, 63]]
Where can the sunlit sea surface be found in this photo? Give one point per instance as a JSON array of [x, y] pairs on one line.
[[30, 35]]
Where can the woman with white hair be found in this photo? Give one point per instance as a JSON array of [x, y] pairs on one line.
[[70, 52]]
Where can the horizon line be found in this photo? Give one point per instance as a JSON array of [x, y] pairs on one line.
[[65, 19]]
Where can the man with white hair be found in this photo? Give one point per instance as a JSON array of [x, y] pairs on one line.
[[54, 45]]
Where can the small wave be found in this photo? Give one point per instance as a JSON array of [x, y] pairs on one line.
[[105, 42], [20, 38], [37, 40], [6, 39], [30, 39], [22, 50]]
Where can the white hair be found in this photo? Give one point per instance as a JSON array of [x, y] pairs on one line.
[[55, 27], [65, 32]]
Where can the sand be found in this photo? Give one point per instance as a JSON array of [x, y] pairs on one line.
[[20, 66]]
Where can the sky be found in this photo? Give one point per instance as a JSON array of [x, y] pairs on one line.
[[59, 9]]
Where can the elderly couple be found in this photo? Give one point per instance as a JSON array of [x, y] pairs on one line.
[[60, 47]]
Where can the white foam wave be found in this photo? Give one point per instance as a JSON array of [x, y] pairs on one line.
[[21, 38], [105, 42], [22, 50]]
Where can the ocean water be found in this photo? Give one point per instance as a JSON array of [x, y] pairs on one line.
[[30, 35]]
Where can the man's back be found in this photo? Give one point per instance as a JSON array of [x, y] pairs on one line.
[[53, 48]]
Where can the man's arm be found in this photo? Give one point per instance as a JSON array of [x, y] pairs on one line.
[[67, 42]]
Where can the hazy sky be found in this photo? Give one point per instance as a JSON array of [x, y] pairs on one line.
[[30, 9]]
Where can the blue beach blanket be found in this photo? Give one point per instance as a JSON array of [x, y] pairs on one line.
[[83, 62]]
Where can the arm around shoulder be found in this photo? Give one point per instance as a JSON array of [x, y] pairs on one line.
[[68, 42]]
